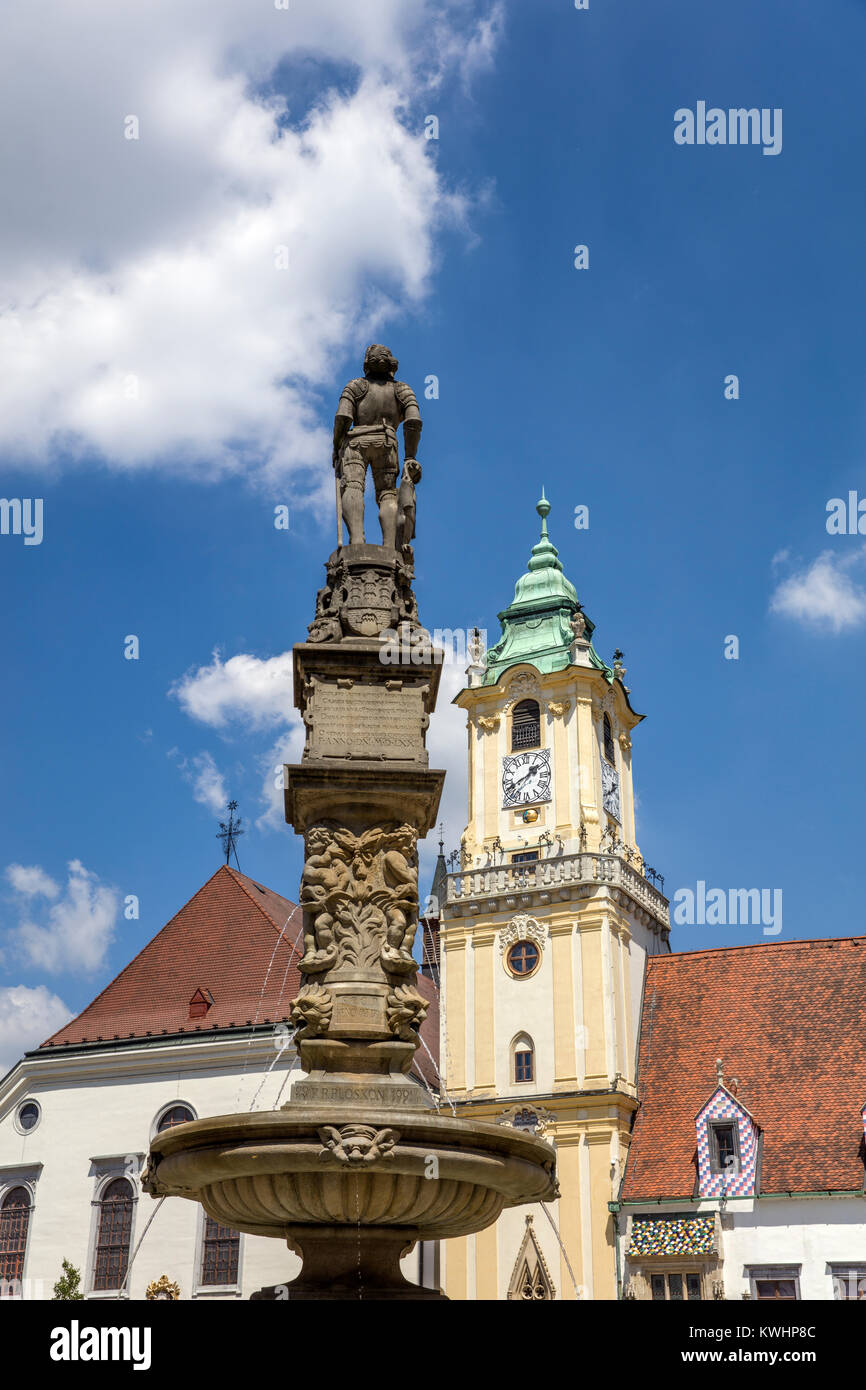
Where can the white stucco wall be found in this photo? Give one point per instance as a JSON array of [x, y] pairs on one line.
[[812, 1232], [99, 1107]]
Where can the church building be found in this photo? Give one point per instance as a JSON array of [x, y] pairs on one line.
[[545, 930]]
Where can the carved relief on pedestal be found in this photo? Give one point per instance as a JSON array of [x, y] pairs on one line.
[[311, 1011], [405, 1009], [360, 898]]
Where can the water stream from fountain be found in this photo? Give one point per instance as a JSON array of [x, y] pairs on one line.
[[138, 1246], [439, 1074], [578, 1291]]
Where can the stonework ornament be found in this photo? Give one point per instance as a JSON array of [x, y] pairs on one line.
[[530, 1278], [523, 928], [360, 898], [163, 1288], [558, 708], [311, 1011], [356, 1144], [489, 723], [624, 742], [533, 1118], [578, 624], [406, 1009]]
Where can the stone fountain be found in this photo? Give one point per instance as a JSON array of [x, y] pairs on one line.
[[359, 1165]]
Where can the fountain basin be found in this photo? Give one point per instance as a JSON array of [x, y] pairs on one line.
[[426, 1176]]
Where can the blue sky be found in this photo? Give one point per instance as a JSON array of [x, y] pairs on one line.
[[605, 385]]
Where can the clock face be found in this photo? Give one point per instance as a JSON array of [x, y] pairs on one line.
[[526, 777]]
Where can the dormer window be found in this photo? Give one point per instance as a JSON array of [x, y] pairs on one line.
[[201, 1001], [526, 725], [609, 751], [724, 1149]]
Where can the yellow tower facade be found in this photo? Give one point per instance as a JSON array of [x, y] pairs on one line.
[[545, 929]]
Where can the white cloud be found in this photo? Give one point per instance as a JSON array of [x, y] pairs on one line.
[[143, 320], [32, 881], [75, 932], [27, 1018], [253, 694], [253, 691], [824, 594], [447, 746], [205, 778]]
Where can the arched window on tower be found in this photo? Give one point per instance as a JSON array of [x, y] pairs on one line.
[[523, 1052], [113, 1235], [14, 1222], [525, 725], [609, 751]]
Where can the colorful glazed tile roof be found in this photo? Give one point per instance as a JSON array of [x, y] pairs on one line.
[[788, 1019], [673, 1235]]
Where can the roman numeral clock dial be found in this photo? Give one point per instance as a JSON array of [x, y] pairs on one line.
[[526, 778]]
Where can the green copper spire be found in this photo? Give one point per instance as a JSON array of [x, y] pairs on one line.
[[536, 627]]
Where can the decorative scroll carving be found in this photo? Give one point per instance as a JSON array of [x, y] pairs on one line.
[[354, 1144], [523, 928], [360, 898], [558, 707], [406, 1009], [311, 1011]]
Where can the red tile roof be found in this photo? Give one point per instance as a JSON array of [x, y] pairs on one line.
[[789, 1022], [222, 942]]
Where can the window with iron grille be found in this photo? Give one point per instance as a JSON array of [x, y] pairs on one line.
[[14, 1221], [526, 725], [113, 1236], [175, 1115], [220, 1252], [609, 751]]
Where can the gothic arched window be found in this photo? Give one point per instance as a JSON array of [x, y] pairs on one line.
[[526, 725], [523, 1051], [609, 751], [113, 1235], [14, 1221]]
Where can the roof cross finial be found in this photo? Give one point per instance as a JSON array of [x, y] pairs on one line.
[[229, 834]]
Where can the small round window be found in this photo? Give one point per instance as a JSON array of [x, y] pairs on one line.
[[522, 958], [28, 1116], [176, 1115]]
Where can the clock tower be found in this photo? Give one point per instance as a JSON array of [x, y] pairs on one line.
[[545, 931]]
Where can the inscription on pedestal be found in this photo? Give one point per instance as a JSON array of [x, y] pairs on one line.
[[365, 721]]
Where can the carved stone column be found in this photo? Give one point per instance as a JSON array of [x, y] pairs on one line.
[[362, 796]]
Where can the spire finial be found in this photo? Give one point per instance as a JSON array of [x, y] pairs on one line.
[[542, 506]]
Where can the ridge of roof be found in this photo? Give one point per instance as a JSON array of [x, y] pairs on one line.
[[757, 946], [130, 963]]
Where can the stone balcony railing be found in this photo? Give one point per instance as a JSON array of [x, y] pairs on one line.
[[563, 876]]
